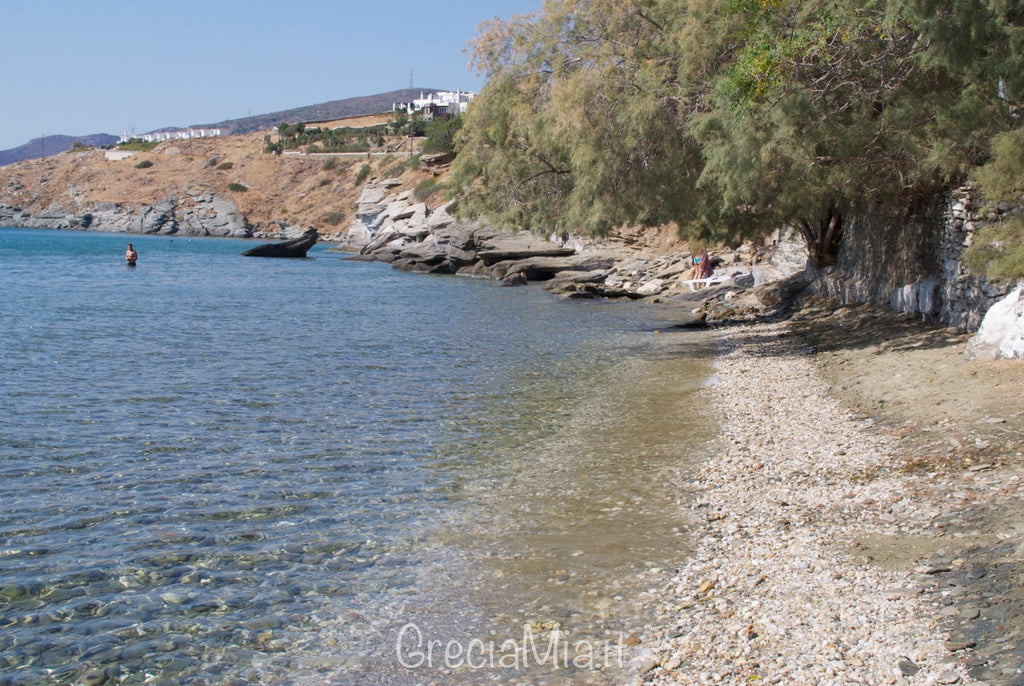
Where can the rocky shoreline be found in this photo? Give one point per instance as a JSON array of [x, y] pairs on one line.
[[825, 553], [390, 226]]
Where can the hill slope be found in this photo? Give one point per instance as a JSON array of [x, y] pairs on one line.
[[297, 189], [52, 145], [325, 111]]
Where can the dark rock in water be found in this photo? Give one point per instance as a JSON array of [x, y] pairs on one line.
[[440, 266], [515, 279], [297, 247], [690, 320]]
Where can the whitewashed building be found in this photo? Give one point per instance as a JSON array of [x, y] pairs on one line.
[[441, 103], [183, 134]]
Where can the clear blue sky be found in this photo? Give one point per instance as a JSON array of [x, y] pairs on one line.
[[78, 67]]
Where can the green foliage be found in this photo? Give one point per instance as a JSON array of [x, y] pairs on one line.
[[424, 189], [144, 164], [343, 139], [731, 119], [441, 134], [137, 145], [237, 187], [224, 166], [334, 218], [998, 250], [329, 164], [396, 169], [1002, 178], [362, 174], [79, 146], [399, 123]]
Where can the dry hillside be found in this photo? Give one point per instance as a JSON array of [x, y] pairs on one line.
[[315, 191]]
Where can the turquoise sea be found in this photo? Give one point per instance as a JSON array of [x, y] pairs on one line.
[[226, 470]]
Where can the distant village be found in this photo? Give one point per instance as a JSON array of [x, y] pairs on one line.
[[183, 134], [428, 105]]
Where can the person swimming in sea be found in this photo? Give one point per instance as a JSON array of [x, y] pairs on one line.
[[130, 256]]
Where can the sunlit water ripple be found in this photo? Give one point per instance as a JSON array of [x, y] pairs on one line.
[[216, 469]]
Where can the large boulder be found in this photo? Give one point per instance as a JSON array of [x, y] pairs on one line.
[[457, 236], [1001, 335], [778, 293], [542, 268], [380, 240], [571, 281], [652, 287], [494, 246], [426, 250]]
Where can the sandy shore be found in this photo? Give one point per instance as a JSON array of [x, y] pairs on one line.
[[858, 514]]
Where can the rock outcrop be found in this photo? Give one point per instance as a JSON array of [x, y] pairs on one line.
[[193, 213], [915, 264], [393, 227], [1001, 335]]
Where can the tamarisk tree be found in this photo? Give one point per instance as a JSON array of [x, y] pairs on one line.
[[732, 119]]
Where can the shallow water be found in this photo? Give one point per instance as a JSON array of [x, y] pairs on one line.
[[217, 469]]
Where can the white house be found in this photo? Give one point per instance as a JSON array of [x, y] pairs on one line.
[[450, 103]]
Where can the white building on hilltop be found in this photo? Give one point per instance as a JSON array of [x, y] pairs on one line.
[[183, 134], [439, 104]]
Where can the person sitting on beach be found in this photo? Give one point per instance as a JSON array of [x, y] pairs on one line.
[[701, 266], [130, 256]]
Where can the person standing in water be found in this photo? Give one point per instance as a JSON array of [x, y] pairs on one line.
[[130, 256]]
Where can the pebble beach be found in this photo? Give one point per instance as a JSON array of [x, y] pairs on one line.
[[795, 493]]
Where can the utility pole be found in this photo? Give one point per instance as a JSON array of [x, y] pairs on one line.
[[410, 79]]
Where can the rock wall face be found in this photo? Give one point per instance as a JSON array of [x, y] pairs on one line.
[[190, 214], [915, 265], [1001, 335]]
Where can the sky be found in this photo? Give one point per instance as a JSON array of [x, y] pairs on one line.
[[78, 67]]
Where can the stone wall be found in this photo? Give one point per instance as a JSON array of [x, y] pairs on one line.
[[915, 265]]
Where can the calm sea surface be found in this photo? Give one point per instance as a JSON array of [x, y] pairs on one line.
[[226, 470]]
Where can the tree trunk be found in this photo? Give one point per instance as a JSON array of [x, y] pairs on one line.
[[823, 238]]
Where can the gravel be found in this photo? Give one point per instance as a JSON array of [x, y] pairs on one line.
[[776, 591]]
